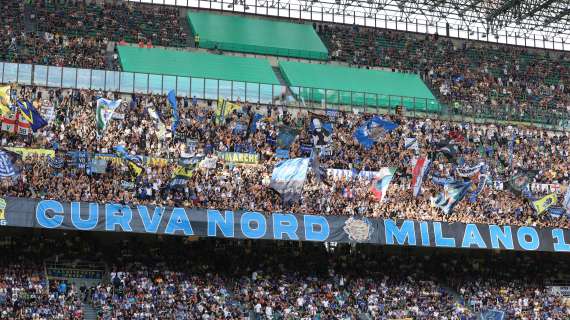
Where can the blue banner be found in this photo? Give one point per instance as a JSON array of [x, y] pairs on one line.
[[241, 224]]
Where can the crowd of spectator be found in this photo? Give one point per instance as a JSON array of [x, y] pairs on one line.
[[201, 133], [77, 33], [178, 278], [475, 78], [26, 294]]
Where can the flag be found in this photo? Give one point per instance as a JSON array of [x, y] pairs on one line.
[[566, 202], [286, 136], [174, 104], [31, 114], [136, 169], [544, 203], [186, 171], [15, 123], [451, 195], [105, 110], [7, 167], [161, 133], [519, 182], [321, 129], [420, 169], [381, 183], [5, 101], [97, 166], [373, 131], [320, 172], [449, 149], [56, 162], [456, 135], [253, 122], [411, 143], [556, 212], [288, 178], [466, 171], [224, 108]]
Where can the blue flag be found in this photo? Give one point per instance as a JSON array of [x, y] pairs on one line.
[[174, 103], [452, 194], [373, 131], [7, 168], [286, 136], [288, 178], [253, 123], [31, 114]]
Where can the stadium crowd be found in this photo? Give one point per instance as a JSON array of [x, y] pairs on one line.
[[77, 34], [178, 278], [476, 78], [201, 135]]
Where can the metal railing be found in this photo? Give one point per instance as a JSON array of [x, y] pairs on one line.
[[266, 94]]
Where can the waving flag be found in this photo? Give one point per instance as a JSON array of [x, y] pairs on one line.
[[566, 202], [412, 143], [105, 110], [7, 159], [420, 169], [449, 149], [31, 114], [16, 123], [381, 183], [174, 104], [5, 101], [467, 171], [544, 203], [286, 136], [519, 183], [288, 178], [321, 129], [320, 172], [373, 131], [451, 195]]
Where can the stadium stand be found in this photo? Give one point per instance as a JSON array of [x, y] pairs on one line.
[[257, 35], [481, 79], [205, 279], [371, 213], [508, 153], [351, 86]]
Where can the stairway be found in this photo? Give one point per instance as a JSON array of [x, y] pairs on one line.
[[282, 81], [89, 313]]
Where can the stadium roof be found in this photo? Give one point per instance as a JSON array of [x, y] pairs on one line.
[[543, 23]]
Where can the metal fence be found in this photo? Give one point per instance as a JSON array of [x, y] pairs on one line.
[[260, 93]]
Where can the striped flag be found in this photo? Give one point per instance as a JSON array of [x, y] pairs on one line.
[[381, 183], [420, 169]]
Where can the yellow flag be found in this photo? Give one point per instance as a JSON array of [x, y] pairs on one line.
[[5, 101], [187, 172], [137, 169], [544, 203]]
